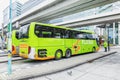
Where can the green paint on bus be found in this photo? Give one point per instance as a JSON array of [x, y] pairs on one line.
[[41, 41], [15, 42]]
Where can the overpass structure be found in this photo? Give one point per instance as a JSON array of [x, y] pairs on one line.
[[103, 18], [51, 9]]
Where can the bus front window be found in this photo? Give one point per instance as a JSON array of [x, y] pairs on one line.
[[24, 31]]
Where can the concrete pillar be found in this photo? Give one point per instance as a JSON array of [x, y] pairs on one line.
[[119, 33], [114, 33], [2, 36], [100, 31], [106, 33]]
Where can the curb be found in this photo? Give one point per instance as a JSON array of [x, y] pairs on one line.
[[12, 60]]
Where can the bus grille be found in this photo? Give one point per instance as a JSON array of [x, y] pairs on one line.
[[42, 53]]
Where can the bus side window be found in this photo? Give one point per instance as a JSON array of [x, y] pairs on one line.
[[59, 33], [44, 31], [89, 36], [77, 35], [69, 34], [47, 32], [66, 34], [85, 36], [80, 36], [38, 30]]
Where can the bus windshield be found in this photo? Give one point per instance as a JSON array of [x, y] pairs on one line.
[[24, 31]]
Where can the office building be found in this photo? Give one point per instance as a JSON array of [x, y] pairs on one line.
[[30, 4], [16, 11]]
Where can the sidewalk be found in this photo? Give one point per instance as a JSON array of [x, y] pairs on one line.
[[57, 66], [106, 68], [4, 57], [3, 52]]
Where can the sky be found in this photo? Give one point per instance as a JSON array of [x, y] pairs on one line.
[[4, 4]]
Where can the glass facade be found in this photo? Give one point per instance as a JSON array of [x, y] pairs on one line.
[[16, 11], [30, 4]]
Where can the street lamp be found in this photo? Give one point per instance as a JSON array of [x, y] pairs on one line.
[[10, 40]]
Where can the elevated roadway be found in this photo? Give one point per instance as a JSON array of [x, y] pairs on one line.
[[103, 18], [51, 9]]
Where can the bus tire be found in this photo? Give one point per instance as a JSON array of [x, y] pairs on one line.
[[94, 50], [68, 53], [58, 54]]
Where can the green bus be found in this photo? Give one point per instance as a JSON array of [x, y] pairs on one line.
[[41, 41], [15, 42]]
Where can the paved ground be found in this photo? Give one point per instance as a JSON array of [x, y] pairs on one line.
[[3, 52], [107, 68], [52, 66]]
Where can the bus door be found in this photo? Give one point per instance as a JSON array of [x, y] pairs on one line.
[[87, 43]]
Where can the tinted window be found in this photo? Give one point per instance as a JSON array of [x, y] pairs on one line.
[[44, 31], [80, 36], [59, 33], [69, 34], [47, 32], [89, 36], [38, 31], [24, 31]]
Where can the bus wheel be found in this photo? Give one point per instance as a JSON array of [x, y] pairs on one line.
[[68, 53], [94, 50], [58, 54]]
